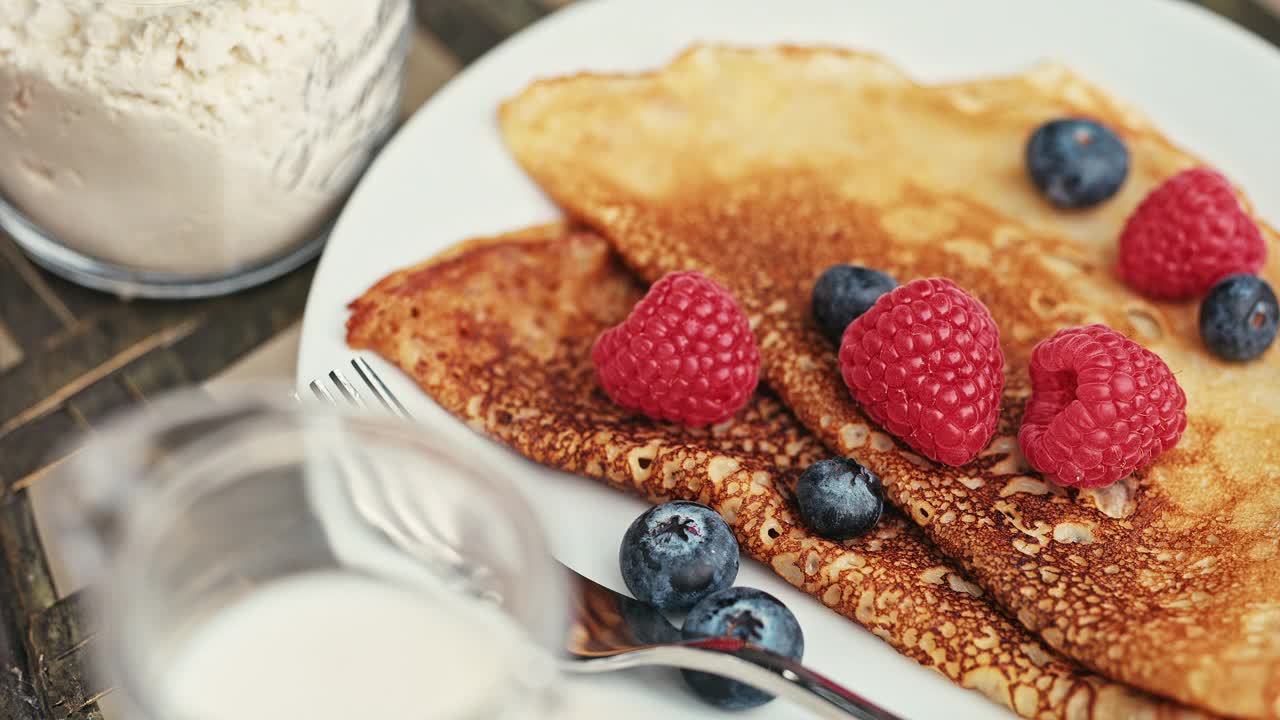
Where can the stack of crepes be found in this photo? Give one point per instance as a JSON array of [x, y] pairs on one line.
[[763, 167]]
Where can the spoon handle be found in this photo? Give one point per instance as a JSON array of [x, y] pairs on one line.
[[759, 668]]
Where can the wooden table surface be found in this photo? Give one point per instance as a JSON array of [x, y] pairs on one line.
[[68, 356]]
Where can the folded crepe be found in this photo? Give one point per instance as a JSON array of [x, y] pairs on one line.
[[499, 331], [761, 168]]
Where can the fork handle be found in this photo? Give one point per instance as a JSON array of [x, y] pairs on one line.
[[759, 668]]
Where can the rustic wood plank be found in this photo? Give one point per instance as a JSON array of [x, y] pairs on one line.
[[275, 360], [1251, 14], [158, 371], [28, 449], [32, 446], [37, 280], [27, 317], [126, 331], [10, 353], [465, 39], [510, 16], [191, 352], [108, 395], [118, 338], [19, 699], [52, 366], [81, 301], [59, 645], [64, 627], [429, 66], [28, 582], [90, 711], [202, 355], [470, 28], [238, 324], [50, 379]]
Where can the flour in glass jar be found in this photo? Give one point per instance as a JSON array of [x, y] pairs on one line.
[[192, 137]]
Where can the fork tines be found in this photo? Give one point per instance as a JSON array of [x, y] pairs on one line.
[[336, 389]]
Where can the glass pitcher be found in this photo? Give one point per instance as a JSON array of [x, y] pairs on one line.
[[257, 560]]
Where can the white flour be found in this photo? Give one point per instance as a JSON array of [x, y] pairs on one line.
[[191, 139]]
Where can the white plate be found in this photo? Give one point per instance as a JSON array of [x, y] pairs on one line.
[[447, 177]]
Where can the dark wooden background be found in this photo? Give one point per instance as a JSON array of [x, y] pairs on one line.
[[69, 355]]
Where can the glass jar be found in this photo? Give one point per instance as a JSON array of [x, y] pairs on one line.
[[163, 148], [254, 559]]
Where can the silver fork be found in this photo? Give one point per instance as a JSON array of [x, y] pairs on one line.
[[610, 631]]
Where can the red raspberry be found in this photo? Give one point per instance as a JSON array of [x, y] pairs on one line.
[[925, 362], [1101, 406], [1188, 234], [685, 353]]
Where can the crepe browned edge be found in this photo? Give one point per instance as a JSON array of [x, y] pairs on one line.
[[763, 167], [499, 330]]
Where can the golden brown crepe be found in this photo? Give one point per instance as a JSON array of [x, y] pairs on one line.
[[763, 167], [499, 332]]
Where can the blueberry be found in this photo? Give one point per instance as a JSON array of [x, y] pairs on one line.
[[750, 615], [678, 553], [844, 292], [1238, 318], [839, 499], [647, 624], [1076, 163]]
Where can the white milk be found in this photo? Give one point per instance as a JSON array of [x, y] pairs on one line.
[[342, 646]]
